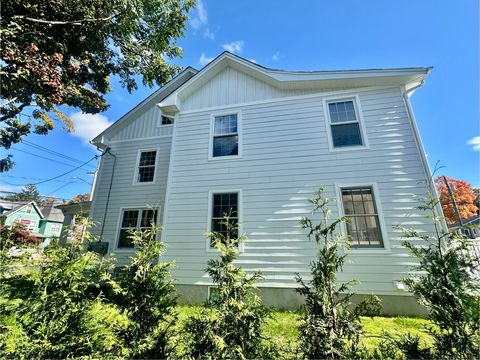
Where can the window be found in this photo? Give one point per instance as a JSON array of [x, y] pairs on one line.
[[344, 124], [28, 210], [134, 219], [56, 228], [225, 135], [167, 120], [146, 167], [224, 204], [364, 226]]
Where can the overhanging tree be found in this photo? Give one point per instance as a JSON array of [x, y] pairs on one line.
[[64, 52]]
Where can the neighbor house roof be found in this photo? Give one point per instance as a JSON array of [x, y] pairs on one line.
[[52, 213], [21, 206]]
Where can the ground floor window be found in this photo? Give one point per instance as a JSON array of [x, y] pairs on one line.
[[363, 227], [134, 219], [223, 204]]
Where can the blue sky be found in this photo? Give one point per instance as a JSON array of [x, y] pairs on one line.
[[310, 35]]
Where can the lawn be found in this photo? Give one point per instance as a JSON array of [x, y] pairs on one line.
[[282, 328]]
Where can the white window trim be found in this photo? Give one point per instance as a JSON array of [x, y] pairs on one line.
[[210, 213], [238, 112], [137, 164], [361, 122], [119, 223], [378, 204]]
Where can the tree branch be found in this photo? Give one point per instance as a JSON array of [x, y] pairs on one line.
[[9, 102], [55, 22], [13, 112]]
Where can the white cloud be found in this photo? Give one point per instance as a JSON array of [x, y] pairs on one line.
[[209, 34], [475, 142], [10, 188], [87, 126], [234, 46], [204, 60], [200, 17], [276, 56]]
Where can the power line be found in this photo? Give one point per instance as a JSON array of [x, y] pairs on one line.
[[50, 151], [42, 157], [61, 187], [31, 178], [58, 176]]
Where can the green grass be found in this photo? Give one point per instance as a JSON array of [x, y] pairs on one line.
[[282, 328]]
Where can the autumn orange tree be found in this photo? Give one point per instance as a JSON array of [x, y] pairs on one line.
[[464, 196]]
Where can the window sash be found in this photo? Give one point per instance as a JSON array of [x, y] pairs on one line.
[[364, 227], [146, 166], [222, 130], [220, 207], [333, 123], [123, 240]]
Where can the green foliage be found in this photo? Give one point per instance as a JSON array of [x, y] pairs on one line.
[[446, 281], [145, 292], [28, 193], [329, 329], [63, 53], [231, 325], [51, 307]]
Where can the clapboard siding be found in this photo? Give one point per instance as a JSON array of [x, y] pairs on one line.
[[286, 158], [124, 193]]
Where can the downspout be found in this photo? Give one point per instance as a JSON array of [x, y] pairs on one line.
[[421, 149], [107, 151]]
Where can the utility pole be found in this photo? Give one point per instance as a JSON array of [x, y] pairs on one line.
[[452, 199]]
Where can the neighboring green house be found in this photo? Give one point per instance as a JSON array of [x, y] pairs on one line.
[[45, 223]]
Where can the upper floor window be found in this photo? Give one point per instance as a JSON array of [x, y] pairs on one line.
[[134, 219], [146, 166], [225, 135], [224, 204], [344, 124], [167, 120], [364, 226], [28, 210]]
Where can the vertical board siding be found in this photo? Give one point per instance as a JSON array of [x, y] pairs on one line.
[[286, 158], [124, 193], [231, 86], [145, 125]]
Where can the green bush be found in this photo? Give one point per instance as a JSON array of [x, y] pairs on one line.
[[146, 294], [446, 280], [329, 329], [51, 307], [230, 327]]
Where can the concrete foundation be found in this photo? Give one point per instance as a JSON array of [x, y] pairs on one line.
[[289, 299]]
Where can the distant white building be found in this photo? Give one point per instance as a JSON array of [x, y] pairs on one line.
[[259, 141]]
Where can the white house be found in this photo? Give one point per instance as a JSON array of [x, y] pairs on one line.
[[236, 135]]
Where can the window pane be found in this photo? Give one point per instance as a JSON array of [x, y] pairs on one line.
[[130, 218], [124, 240], [226, 124], [147, 158], [148, 217], [218, 225], [167, 120], [346, 135], [342, 111], [363, 226], [225, 204], [225, 145], [146, 174]]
